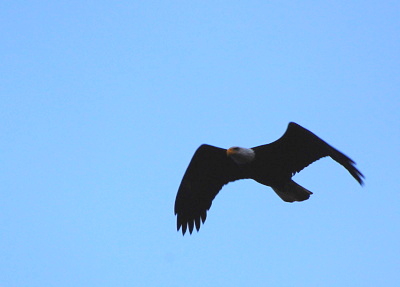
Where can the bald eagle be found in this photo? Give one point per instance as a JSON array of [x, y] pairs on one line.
[[272, 165]]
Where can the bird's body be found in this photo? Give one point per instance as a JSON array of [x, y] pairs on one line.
[[272, 165]]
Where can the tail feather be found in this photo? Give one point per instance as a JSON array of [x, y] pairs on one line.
[[291, 191]]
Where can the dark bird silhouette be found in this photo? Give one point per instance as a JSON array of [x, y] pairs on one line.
[[272, 164]]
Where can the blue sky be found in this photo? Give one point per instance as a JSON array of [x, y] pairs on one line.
[[104, 103]]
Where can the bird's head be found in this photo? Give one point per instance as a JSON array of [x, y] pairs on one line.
[[240, 155]]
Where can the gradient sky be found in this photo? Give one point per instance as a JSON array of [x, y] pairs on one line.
[[103, 104]]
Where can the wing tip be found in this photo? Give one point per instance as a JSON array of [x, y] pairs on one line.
[[360, 178], [356, 174], [185, 224]]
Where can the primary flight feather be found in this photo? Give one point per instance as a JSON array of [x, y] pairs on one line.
[[272, 164]]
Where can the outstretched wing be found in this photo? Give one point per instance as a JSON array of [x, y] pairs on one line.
[[209, 169], [298, 148]]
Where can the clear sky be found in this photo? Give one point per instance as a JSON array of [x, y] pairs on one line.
[[103, 104]]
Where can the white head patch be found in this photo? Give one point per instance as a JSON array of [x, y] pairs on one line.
[[241, 155]]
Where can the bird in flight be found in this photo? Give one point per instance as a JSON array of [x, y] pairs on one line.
[[271, 164]]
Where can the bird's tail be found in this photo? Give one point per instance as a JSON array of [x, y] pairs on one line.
[[291, 192]]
